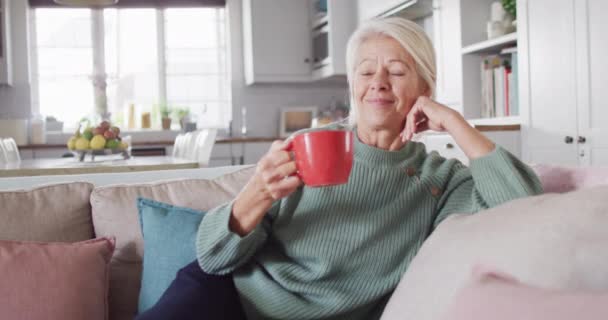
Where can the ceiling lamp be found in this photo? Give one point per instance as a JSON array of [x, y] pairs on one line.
[[86, 3]]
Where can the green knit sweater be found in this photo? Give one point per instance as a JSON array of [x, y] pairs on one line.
[[338, 252]]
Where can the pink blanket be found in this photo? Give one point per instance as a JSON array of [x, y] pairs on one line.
[[560, 179]]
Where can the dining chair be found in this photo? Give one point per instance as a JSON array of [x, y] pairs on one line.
[[190, 145], [205, 140], [11, 149], [180, 146], [3, 156]]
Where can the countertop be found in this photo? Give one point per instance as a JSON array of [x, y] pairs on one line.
[[221, 140], [102, 164]]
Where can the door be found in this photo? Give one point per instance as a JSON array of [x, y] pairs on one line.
[[550, 125], [591, 18]]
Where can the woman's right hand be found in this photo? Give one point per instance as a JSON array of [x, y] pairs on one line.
[[274, 179]]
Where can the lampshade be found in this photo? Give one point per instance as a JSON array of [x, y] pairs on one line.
[[86, 3]]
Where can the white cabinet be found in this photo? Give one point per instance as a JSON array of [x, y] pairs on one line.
[[564, 111], [331, 29], [447, 147], [446, 39], [288, 41], [367, 9], [275, 36], [6, 74]]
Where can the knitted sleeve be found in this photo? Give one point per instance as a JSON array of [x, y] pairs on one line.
[[221, 251], [490, 180]]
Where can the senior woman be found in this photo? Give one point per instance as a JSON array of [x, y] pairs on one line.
[[282, 250]]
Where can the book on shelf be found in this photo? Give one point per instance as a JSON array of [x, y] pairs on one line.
[[514, 89], [499, 86]]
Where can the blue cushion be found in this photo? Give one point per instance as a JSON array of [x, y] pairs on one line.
[[169, 245]]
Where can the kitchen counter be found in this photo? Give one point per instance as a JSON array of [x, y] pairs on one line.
[[158, 143], [226, 140], [102, 164]]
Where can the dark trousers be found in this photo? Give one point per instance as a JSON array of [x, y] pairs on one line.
[[195, 294]]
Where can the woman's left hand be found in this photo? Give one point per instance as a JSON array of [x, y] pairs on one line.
[[427, 114]]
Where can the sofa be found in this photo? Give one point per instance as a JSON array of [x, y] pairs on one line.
[[82, 207]]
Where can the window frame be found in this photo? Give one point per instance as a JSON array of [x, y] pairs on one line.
[[99, 58]]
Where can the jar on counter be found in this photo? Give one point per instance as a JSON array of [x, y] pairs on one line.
[[37, 130]]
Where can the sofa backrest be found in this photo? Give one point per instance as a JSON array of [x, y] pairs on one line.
[[103, 179], [55, 213], [115, 214]]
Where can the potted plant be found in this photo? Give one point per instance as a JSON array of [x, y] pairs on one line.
[[183, 116], [165, 112]]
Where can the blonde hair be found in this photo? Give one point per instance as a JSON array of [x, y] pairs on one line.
[[409, 35]]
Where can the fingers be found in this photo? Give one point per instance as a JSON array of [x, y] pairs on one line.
[[284, 187], [279, 145], [413, 117], [276, 170], [272, 175]]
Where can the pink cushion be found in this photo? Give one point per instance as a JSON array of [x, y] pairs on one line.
[[497, 296], [560, 179], [55, 280]]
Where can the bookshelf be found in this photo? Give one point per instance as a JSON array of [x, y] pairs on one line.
[[478, 88], [492, 45]]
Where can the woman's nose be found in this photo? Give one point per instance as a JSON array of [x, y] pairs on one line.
[[380, 81]]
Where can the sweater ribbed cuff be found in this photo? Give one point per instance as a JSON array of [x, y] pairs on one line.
[[499, 177], [219, 250]]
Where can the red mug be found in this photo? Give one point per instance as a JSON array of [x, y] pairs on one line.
[[324, 157]]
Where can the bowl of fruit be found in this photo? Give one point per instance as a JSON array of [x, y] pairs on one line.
[[104, 139]]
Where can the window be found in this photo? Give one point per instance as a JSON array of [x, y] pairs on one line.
[[83, 57]]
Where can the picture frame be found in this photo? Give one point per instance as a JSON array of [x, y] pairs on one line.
[[296, 118]]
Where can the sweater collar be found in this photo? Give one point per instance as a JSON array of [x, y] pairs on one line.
[[381, 157]]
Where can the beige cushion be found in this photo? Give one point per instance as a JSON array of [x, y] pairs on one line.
[[58, 212], [555, 241], [115, 214]]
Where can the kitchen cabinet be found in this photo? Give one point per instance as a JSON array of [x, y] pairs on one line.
[[564, 111], [6, 74], [295, 41], [331, 28], [447, 147], [367, 9], [276, 41]]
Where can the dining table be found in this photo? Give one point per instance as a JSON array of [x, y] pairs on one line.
[[101, 164]]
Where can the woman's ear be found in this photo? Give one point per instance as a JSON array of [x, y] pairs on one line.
[[426, 90]]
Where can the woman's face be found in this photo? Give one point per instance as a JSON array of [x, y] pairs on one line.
[[386, 84]]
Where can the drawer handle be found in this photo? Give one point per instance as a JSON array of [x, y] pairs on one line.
[[449, 146]]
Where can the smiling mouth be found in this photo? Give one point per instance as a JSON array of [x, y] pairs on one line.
[[380, 102]]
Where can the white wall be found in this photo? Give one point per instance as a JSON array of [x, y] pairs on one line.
[[263, 101], [15, 101]]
